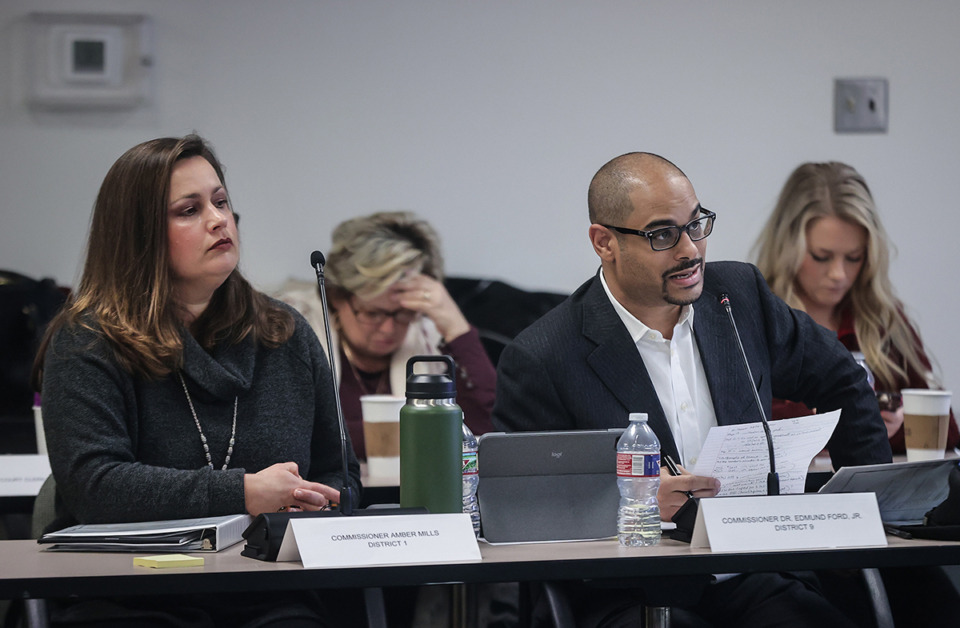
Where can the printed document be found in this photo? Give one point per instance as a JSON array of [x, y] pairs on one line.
[[738, 456]]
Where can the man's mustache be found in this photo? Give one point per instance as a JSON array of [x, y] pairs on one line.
[[684, 266]]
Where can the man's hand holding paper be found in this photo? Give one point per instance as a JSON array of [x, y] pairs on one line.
[[737, 454]]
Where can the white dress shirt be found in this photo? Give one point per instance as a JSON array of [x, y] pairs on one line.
[[677, 374]]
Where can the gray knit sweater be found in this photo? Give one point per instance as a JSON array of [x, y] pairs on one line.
[[123, 448]]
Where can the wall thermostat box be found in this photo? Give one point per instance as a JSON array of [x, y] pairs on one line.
[[89, 61]]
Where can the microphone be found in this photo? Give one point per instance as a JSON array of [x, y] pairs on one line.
[[346, 492], [773, 480], [265, 535]]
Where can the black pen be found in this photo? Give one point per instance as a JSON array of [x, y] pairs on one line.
[[890, 529], [675, 470]]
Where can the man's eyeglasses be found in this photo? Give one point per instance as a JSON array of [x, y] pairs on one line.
[[667, 237], [375, 318]]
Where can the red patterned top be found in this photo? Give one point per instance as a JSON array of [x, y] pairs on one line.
[[783, 409]]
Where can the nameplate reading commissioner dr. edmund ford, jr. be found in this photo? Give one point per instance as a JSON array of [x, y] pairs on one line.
[[785, 522], [392, 540]]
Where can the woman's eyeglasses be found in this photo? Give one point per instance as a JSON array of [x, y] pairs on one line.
[[375, 318]]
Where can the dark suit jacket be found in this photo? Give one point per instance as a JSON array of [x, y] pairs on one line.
[[578, 368]]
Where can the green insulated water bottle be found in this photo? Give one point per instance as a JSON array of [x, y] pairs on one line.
[[431, 439]]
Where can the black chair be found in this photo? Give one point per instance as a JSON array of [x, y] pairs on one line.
[[499, 310], [35, 613]]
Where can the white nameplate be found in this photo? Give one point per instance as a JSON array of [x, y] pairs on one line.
[[783, 522], [380, 540], [23, 474]]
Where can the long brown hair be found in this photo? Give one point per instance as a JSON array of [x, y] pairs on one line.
[[126, 291], [815, 190]]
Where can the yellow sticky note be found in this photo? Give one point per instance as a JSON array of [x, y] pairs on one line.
[[165, 561]]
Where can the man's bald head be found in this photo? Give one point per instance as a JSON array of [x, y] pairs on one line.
[[608, 198]]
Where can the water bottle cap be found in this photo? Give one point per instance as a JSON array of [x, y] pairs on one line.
[[638, 416], [432, 385]]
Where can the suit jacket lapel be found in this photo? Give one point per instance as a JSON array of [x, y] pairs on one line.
[[618, 364], [733, 401]]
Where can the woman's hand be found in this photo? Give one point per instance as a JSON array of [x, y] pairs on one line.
[[674, 488], [428, 296], [280, 487], [892, 420]]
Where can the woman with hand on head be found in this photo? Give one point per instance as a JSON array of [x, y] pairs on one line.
[[172, 389], [825, 251], [385, 285]]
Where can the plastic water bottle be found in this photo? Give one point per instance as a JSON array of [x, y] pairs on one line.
[[638, 476], [471, 478], [862, 361]]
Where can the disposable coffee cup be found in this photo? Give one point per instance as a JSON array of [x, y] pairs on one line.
[[926, 419], [381, 433], [38, 425]]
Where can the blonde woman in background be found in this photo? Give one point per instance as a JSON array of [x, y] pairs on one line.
[[825, 251], [387, 303]]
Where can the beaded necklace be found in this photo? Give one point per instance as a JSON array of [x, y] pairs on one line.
[[203, 438]]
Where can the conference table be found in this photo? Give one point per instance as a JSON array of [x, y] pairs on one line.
[[28, 572]]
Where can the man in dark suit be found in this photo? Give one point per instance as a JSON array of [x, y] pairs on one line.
[[648, 334]]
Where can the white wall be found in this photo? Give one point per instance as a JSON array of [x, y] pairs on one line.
[[489, 118]]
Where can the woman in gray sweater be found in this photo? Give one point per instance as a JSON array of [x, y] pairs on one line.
[[171, 388]]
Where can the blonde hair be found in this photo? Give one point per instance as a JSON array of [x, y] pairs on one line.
[[816, 190], [371, 253]]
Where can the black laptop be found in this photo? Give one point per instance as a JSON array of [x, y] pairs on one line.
[[905, 491]]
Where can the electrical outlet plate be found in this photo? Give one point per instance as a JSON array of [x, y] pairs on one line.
[[860, 105]]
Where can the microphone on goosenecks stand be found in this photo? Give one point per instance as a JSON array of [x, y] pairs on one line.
[[346, 492], [773, 480], [265, 534]]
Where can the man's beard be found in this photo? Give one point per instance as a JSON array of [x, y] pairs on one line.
[[687, 299]]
